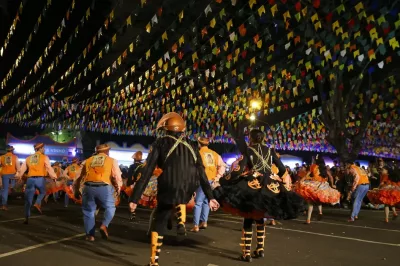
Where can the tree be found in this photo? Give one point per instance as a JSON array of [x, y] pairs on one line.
[[336, 110]]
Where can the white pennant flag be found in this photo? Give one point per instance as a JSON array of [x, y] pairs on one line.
[[207, 10], [154, 20]]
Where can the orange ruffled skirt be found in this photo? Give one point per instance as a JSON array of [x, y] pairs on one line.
[[52, 186], [385, 194], [317, 192], [70, 192]]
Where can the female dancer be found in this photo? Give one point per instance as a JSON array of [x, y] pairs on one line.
[[314, 189], [388, 192], [257, 187]]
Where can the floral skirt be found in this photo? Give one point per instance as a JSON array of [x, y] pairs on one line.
[[386, 194], [317, 192]]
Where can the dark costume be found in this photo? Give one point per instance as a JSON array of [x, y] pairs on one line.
[[258, 186], [182, 173]]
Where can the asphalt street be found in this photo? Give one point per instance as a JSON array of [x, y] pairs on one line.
[[57, 238]]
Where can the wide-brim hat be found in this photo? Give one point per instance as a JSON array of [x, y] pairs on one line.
[[75, 160], [38, 146], [10, 148], [172, 122], [137, 156], [203, 141], [102, 148]]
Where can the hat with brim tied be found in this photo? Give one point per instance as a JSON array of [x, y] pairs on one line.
[[38, 146], [102, 148], [10, 148], [203, 141]]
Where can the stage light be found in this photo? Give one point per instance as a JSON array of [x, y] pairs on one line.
[[125, 156], [255, 104], [25, 149]]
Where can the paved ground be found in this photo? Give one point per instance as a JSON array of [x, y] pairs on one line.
[[56, 238]]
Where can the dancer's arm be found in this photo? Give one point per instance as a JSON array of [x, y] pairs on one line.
[[141, 184], [22, 170], [283, 173], [49, 169]]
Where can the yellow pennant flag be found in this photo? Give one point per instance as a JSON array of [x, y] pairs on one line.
[[181, 16], [261, 10], [164, 36], [229, 24], [252, 2], [212, 23], [274, 9]]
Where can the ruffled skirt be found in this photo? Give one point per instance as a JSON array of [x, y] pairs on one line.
[[386, 194], [69, 190], [317, 192], [242, 200]]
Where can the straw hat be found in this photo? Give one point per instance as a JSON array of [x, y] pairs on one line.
[[203, 141], [172, 122], [38, 146], [102, 148], [10, 148]]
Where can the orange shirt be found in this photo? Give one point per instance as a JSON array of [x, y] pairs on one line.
[[213, 164], [102, 168], [360, 176], [10, 163], [72, 171], [37, 164], [57, 169]]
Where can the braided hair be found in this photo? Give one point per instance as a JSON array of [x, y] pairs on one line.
[[394, 174], [322, 167]]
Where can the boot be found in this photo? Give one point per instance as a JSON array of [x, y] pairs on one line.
[[151, 222], [156, 243], [259, 252], [181, 217], [246, 245]]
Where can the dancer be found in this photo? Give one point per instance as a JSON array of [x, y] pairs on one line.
[[315, 190], [134, 174], [10, 166], [388, 192], [215, 169], [257, 187], [71, 173], [134, 169], [38, 166], [182, 171], [359, 189], [100, 180], [53, 186]]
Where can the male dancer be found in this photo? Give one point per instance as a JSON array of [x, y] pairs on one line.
[[359, 189], [134, 174], [11, 166], [71, 173], [182, 172], [38, 165], [99, 177], [215, 169]]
